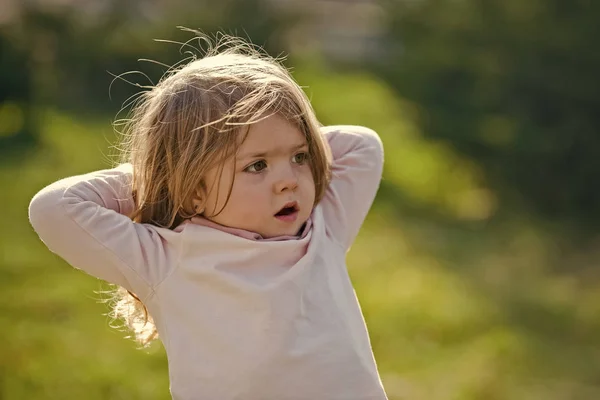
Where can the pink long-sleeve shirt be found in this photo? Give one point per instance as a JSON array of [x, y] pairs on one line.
[[240, 317]]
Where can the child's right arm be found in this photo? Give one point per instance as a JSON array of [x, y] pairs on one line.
[[84, 220]]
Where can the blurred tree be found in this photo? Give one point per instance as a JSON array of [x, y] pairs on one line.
[[511, 84], [29, 72], [118, 36], [73, 50], [16, 95]]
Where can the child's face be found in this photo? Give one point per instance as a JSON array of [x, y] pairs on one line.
[[271, 171]]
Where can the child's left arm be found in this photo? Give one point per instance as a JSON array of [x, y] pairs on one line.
[[356, 172]]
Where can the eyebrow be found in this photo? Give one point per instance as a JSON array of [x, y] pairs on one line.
[[268, 153]]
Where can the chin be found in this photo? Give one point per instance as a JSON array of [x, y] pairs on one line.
[[287, 232]]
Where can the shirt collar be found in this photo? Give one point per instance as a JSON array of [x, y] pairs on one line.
[[248, 234]]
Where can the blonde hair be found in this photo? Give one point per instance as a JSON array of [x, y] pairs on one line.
[[193, 120]]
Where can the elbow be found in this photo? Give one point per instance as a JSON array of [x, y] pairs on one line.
[[373, 139], [43, 210], [373, 145], [356, 141], [37, 213]]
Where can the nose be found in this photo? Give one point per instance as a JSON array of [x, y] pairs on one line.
[[287, 180]]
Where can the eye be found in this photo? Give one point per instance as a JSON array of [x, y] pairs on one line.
[[256, 167], [300, 158]]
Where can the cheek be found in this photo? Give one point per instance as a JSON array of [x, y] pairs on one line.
[[248, 195], [309, 182]]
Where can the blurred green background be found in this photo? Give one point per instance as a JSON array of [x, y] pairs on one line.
[[477, 268]]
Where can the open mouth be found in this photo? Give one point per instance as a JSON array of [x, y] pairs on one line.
[[289, 212]]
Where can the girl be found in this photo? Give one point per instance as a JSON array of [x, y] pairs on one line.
[[229, 224]]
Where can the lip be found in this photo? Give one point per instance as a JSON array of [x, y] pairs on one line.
[[289, 217]]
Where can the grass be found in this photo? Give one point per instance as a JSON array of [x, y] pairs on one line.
[[461, 303]]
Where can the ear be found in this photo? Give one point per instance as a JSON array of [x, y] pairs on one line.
[[198, 201]]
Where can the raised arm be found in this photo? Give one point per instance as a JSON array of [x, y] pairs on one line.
[[356, 172], [84, 220]]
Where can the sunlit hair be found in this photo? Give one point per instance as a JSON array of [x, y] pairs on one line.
[[193, 120]]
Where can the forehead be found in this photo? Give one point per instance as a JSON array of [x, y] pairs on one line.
[[272, 134]]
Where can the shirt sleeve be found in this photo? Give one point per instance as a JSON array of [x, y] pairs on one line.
[[356, 172], [84, 220]]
